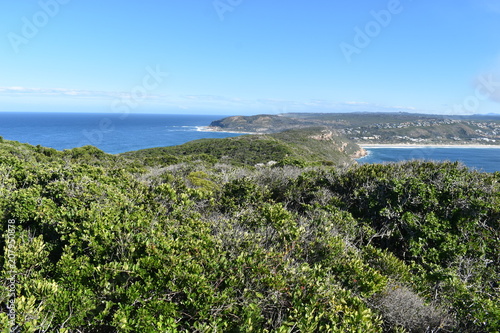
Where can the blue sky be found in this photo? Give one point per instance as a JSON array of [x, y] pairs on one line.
[[250, 56]]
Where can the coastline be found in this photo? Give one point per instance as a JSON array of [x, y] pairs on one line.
[[419, 146], [215, 129]]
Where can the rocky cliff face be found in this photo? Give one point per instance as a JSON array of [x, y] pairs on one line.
[[339, 142], [360, 153]]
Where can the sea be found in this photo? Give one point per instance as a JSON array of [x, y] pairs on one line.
[[113, 133], [117, 133]]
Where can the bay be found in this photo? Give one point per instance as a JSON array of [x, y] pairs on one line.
[[118, 133]]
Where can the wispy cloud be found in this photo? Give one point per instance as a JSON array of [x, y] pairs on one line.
[[204, 97], [76, 93], [192, 101], [49, 92]]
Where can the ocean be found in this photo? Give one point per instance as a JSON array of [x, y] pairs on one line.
[[118, 133], [113, 133]]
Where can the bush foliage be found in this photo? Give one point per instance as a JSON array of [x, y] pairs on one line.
[[106, 244]]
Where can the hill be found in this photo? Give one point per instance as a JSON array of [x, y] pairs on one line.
[[389, 128], [309, 145]]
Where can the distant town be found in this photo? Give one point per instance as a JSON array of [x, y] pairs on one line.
[[378, 128]]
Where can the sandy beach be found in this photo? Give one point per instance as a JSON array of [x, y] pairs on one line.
[[413, 146], [215, 129]]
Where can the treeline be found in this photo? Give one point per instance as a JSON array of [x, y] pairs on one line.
[[110, 244]]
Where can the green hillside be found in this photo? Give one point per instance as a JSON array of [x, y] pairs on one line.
[[104, 243], [311, 145]]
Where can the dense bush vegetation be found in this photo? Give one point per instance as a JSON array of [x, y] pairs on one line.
[[292, 145], [107, 244]]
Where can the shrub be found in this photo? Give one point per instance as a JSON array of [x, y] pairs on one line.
[[401, 307]]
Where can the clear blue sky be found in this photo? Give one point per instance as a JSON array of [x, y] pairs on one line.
[[250, 56]]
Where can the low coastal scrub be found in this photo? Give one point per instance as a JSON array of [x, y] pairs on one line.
[[316, 145], [196, 243]]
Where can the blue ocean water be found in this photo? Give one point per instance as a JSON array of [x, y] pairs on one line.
[[112, 133], [118, 133], [482, 159]]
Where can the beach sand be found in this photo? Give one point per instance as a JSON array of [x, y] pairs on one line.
[[215, 129]]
